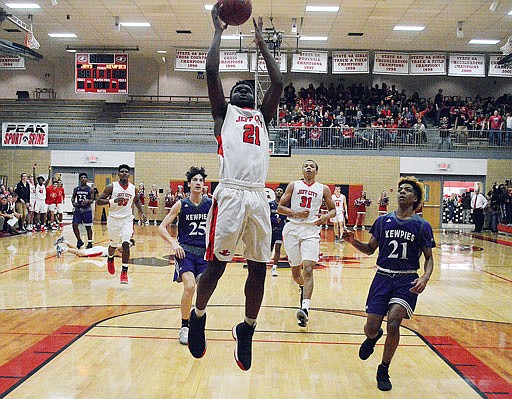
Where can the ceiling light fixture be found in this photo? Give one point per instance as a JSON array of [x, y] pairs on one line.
[[494, 5], [483, 41], [62, 35], [101, 49], [22, 5], [313, 38], [136, 24], [322, 9], [409, 28], [161, 51], [510, 12]]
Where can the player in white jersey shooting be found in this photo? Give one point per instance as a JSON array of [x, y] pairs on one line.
[[240, 209], [119, 196], [301, 203]]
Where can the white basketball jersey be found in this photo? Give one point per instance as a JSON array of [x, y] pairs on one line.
[[40, 194], [243, 148], [306, 198], [339, 202], [122, 209]]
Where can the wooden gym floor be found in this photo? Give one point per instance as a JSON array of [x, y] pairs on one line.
[[70, 330]]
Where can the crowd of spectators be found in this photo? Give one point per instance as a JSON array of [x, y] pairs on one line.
[[498, 209], [338, 116]]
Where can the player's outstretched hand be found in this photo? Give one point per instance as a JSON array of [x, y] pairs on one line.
[[179, 252], [218, 23], [348, 235], [419, 285], [258, 28]]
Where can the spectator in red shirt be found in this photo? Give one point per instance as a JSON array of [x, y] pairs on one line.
[[495, 125], [51, 201]]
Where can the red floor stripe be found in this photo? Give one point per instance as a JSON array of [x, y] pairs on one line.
[[483, 377], [19, 368]]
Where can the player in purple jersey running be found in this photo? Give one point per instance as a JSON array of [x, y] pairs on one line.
[[401, 236], [190, 245]]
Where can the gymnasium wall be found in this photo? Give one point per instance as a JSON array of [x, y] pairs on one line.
[[150, 76], [376, 174]]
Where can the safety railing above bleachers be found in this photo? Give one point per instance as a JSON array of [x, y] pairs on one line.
[[378, 138]]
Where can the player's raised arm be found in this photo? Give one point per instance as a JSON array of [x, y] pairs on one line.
[[215, 91], [273, 94]]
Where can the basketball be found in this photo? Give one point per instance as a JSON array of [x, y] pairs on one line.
[[235, 12]]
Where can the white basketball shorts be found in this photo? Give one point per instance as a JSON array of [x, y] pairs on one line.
[[340, 216], [119, 230], [301, 242], [40, 206], [235, 215]]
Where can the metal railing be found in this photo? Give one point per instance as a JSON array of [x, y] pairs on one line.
[[378, 138]]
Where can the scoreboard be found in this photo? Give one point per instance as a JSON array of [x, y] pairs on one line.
[[101, 73]]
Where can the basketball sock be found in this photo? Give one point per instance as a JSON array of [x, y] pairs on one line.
[[249, 321], [306, 303], [385, 365], [110, 257], [184, 322], [125, 267], [301, 289], [89, 241], [199, 312]]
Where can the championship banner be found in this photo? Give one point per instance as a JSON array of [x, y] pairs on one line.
[[262, 67], [391, 64], [350, 62], [233, 60], [190, 60], [19, 134], [467, 65], [11, 62], [427, 64], [195, 60], [310, 61], [504, 71]]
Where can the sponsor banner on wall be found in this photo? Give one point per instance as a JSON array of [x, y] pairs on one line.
[[281, 60], [350, 62], [11, 62], [499, 70], [427, 64], [467, 65], [195, 60], [391, 63], [24, 134], [310, 61]]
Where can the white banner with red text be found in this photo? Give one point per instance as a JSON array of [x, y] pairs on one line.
[[24, 134], [472, 65], [504, 71], [391, 63], [350, 62], [195, 60], [310, 62], [262, 67], [11, 62], [427, 64]]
